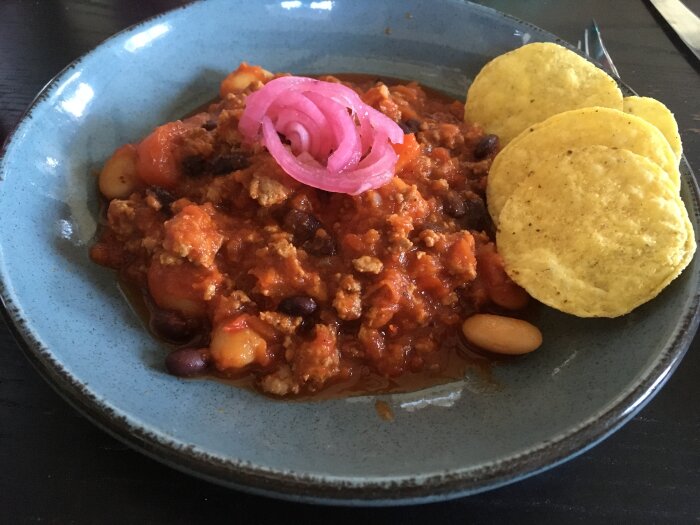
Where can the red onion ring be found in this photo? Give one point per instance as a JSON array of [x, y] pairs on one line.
[[336, 142]]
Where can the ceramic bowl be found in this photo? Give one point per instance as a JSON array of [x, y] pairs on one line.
[[589, 377]]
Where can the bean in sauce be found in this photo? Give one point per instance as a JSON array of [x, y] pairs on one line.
[[227, 259]]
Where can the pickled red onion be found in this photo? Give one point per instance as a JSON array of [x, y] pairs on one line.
[[336, 142]]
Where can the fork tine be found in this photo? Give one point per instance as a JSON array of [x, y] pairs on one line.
[[593, 39]]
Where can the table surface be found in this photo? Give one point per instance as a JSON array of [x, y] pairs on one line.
[[57, 467]]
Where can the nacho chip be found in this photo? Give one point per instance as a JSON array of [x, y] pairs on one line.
[[688, 250], [530, 84], [659, 115], [572, 129], [594, 231]]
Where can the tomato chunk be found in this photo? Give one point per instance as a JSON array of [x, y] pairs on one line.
[[407, 152], [500, 288], [157, 164], [183, 287]]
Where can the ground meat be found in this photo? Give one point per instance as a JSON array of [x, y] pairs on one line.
[[324, 286], [347, 301], [193, 234], [316, 361], [197, 143], [461, 259], [368, 264], [120, 216], [280, 383], [285, 324], [267, 191]]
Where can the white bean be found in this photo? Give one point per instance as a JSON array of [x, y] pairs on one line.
[[118, 176], [233, 349], [501, 335]]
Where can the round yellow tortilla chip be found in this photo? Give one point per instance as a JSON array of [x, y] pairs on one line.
[[534, 82], [688, 250], [572, 129], [594, 232], [659, 115]]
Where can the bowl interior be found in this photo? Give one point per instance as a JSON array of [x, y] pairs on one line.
[[79, 327]]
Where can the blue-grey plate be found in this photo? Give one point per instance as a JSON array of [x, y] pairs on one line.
[[588, 378]]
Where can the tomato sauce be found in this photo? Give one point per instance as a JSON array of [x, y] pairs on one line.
[[256, 278]]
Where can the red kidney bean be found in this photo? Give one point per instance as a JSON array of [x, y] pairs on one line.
[[187, 362]]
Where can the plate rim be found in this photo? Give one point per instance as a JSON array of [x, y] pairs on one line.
[[394, 490]]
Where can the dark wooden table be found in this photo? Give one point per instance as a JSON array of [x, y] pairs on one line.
[[56, 467]]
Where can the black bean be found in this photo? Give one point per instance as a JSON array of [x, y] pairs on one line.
[[187, 362], [485, 147], [307, 325], [410, 126], [224, 164], [194, 165], [303, 225], [322, 245], [172, 326], [476, 215], [210, 125], [298, 306], [453, 204]]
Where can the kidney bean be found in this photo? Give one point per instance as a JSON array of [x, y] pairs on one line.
[[298, 306], [303, 225], [485, 147], [210, 125], [187, 362]]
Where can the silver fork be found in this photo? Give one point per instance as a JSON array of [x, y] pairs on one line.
[[592, 45]]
